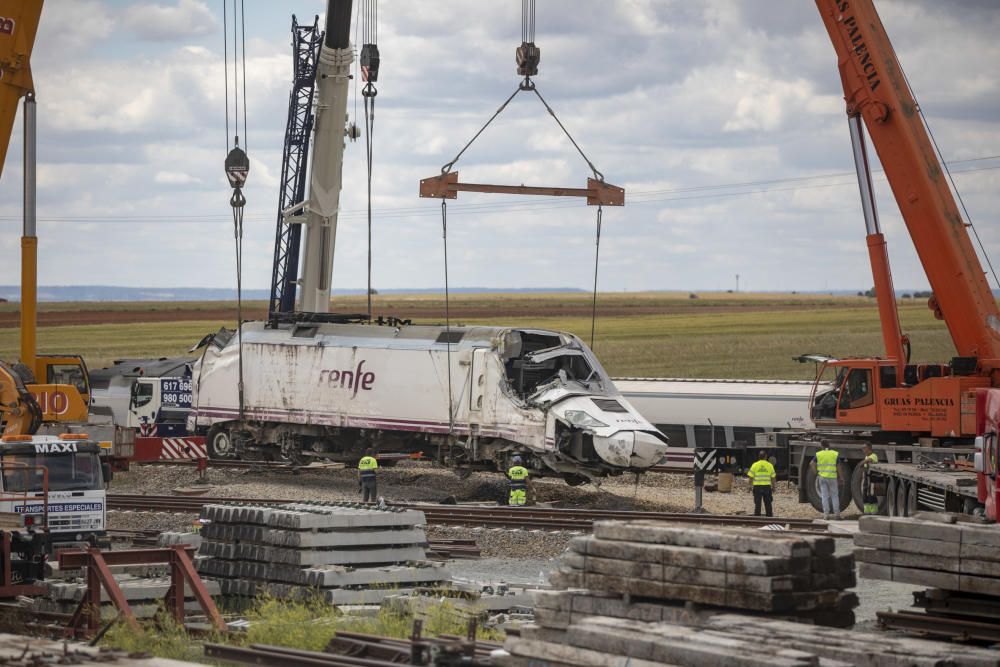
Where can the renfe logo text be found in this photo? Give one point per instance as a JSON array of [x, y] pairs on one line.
[[351, 380]]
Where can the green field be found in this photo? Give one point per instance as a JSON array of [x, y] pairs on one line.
[[649, 334]]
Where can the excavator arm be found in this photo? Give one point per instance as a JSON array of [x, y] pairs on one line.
[[18, 25], [876, 88], [19, 411]]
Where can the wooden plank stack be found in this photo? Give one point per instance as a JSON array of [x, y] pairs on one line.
[[648, 593], [345, 552], [733, 568], [956, 556]]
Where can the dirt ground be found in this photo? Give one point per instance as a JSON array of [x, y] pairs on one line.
[[431, 311], [417, 481]]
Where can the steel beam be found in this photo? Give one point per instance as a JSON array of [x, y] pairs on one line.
[[597, 193]]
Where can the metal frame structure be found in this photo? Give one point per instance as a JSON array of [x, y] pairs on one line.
[[87, 617], [306, 42]]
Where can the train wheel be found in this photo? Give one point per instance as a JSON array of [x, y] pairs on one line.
[[911, 500], [220, 443], [890, 496], [901, 507]]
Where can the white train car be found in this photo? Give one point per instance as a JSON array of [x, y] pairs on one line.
[[716, 413], [316, 388]]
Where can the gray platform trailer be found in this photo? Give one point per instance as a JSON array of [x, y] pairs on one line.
[[908, 478]]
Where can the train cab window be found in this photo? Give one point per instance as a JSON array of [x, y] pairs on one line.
[[66, 374], [857, 390], [887, 377]]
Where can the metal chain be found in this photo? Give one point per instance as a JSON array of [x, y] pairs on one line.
[[597, 174], [447, 314], [369, 142], [597, 257], [447, 167]]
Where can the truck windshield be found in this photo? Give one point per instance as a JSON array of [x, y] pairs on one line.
[[80, 471]]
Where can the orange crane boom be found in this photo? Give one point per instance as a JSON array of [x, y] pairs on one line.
[[18, 25], [876, 88]]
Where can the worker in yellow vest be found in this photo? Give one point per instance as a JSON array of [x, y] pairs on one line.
[[868, 497], [517, 476], [826, 465], [762, 477], [367, 483]]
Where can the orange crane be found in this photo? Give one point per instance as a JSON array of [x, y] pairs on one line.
[[894, 399], [62, 393]]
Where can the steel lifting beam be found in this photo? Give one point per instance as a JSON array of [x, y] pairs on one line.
[[597, 193]]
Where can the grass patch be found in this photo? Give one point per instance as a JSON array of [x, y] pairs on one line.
[[307, 625], [648, 334]]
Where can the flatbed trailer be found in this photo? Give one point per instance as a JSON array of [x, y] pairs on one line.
[[928, 474], [909, 488]]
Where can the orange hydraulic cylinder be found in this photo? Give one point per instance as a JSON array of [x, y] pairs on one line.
[[885, 295]]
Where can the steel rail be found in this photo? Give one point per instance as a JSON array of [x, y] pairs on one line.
[[499, 516], [940, 626]]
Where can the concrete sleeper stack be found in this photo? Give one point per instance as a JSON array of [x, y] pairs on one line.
[[732, 568], [951, 556], [346, 552]]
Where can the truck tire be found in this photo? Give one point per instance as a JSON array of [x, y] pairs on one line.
[[220, 443], [911, 499], [857, 480], [901, 506], [890, 496], [812, 488]]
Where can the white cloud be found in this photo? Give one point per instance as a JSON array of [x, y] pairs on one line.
[[178, 22], [681, 98], [174, 178]]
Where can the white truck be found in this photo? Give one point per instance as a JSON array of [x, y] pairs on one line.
[[70, 471], [471, 397]]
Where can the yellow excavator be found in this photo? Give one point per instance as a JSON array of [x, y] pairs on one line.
[[40, 388]]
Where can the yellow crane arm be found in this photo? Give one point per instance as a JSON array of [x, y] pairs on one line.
[[18, 25]]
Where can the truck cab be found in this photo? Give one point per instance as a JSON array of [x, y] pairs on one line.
[[159, 406], [55, 482]]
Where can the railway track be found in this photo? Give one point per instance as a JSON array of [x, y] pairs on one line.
[[480, 515]]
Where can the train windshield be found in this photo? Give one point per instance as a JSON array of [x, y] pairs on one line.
[[536, 360]]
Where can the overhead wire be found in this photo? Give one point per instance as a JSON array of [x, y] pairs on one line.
[[225, 65], [636, 197]]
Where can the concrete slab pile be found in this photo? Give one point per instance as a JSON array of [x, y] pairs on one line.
[[346, 552], [144, 594], [956, 556], [735, 568]]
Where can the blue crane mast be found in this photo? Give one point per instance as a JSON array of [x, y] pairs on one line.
[[306, 42]]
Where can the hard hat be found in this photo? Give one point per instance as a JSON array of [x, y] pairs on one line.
[[517, 459]]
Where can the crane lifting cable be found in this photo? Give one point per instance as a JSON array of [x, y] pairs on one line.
[[369, 64], [237, 163], [597, 193]]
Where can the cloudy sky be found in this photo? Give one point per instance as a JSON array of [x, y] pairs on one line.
[[722, 119]]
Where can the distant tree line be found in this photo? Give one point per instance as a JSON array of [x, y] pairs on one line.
[[915, 295]]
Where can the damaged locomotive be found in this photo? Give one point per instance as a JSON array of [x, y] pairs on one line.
[[468, 397]]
